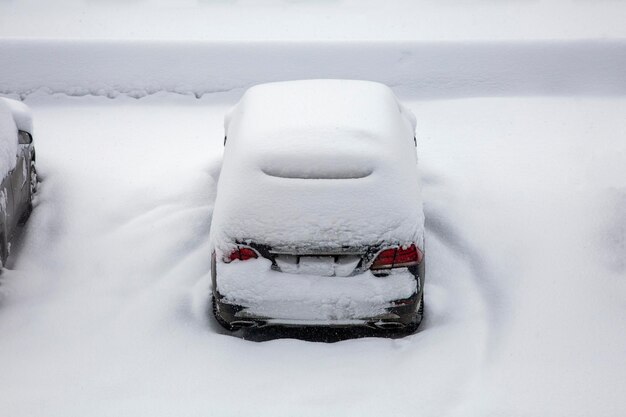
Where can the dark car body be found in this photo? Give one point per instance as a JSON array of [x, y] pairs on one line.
[[401, 315], [18, 185]]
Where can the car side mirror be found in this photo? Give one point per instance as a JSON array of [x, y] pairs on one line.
[[24, 138]]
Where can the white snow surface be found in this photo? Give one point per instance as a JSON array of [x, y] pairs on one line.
[[104, 307], [310, 298], [318, 163], [414, 68], [8, 138], [22, 116]]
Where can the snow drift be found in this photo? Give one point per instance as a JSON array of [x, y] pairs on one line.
[[414, 69]]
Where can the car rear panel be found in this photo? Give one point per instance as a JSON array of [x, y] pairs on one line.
[[264, 292]]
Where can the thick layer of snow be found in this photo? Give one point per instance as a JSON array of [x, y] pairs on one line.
[[21, 114], [8, 139], [225, 20], [346, 106], [413, 68], [319, 163], [105, 311], [267, 293]]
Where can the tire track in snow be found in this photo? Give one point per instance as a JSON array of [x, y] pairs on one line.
[[483, 278], [132, 289]]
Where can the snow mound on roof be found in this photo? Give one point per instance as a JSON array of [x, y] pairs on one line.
[[8, 139], [301, 105], [21, 114], [318, 162]]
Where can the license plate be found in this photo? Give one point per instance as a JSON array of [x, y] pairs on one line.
[[324, 266]]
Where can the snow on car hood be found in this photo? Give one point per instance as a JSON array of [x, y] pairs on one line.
[[323, 163], [8, 139]]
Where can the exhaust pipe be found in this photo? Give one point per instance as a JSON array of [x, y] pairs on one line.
[[389, 325], [244, 324]]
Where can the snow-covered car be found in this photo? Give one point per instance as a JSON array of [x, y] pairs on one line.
[[318, 217], [17, 170]]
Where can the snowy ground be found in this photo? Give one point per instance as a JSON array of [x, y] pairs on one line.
[[104, 310]]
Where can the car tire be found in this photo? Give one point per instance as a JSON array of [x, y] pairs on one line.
[[4, 248], [219, 318], [34, 180], [27, 212], [32, 191]]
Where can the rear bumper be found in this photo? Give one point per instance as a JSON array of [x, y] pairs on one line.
[[250, 294], [400, 314]]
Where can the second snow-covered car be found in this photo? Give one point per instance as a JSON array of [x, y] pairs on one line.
[[18, 177], [318, 217]]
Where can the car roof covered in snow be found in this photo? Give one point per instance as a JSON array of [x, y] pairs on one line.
[[333, 105], [21, 114], [318, 128]]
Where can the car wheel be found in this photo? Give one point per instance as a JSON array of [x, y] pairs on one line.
[[33, 178], [33, 189], [26, 213], [219, 318], [4, 249]]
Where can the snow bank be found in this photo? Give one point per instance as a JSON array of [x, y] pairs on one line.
[[423, 69], [319, 163], [8, 139]]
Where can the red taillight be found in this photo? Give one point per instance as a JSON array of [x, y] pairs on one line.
[[242, 254], [398, 257]]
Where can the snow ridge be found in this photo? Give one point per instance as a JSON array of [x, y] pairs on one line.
[[423, 69]]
